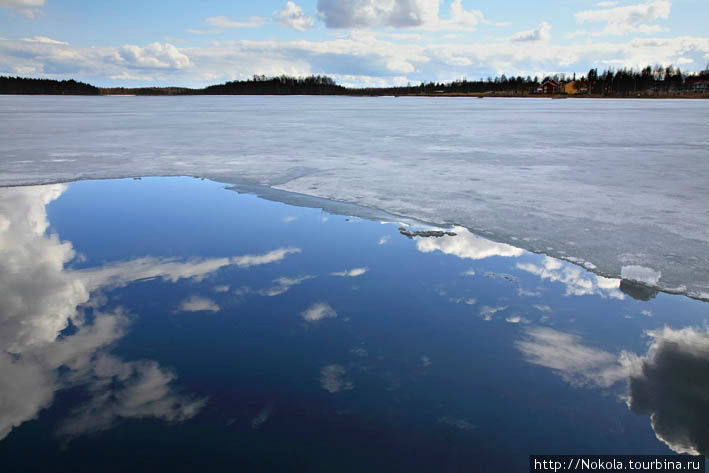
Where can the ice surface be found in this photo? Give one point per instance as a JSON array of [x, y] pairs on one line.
[[607, 183], [640, 274]]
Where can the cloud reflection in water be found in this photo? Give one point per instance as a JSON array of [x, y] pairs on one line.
[[40, 297], [670, 382], [465, 244]]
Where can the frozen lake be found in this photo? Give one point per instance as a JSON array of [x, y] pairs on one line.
[[619, 186], [170, 324]]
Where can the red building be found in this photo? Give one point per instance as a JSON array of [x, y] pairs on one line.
[[550, 86]]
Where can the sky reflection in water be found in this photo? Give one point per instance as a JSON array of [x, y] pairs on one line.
[[197, 327]]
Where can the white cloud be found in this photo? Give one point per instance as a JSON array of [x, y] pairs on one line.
[[355, 58], [318, 311], [26, 388], [384, 240], [198, 304], [466, 245], [43, 39], [577, 281], [28, 8], [274, 256], [670, 382], [528, 293], [373, 13], [333, 380], [540, 33], [460, 19], [283, 284], [152, 56], [40, 296], [125, 390], [424, 14], [488, 312], [576, 363], [351, 273], [225, 23], [628, 19], [293, 16]]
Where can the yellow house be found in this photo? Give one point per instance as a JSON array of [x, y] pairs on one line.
[[576, 87]]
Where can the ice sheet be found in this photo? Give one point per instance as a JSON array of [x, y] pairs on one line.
[[604, 183]]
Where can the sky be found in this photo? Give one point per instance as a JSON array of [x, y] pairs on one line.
[[356, 42]]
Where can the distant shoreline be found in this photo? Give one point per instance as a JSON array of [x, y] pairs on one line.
[[648, 83], [449, 95]]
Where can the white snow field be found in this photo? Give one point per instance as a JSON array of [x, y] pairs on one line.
[[608, 184]]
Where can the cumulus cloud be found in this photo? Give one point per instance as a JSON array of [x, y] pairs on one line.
[[577, 281], [671, 384], [152, 56], [198, 304], [356, 58], [628, 19], [352, 14], [40, 296], [460, 19], [333, 378], [293, 16], [351, 273], [318, 311], [28, 8], [26, 388], [129, 390], [45, 56], [28, 380], [372, 13], [540, 33], [466, 245]]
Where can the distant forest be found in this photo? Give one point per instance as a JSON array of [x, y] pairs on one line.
[[23, 86], [648, 82]]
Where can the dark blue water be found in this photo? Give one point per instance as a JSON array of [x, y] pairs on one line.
[[170, 324]]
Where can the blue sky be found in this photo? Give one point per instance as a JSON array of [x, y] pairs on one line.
[[357, 42]]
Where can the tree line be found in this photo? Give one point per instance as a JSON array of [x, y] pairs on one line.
[[649, 81], [26, 86]]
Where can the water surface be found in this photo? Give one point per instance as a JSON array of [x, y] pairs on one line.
[[173, 324]]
